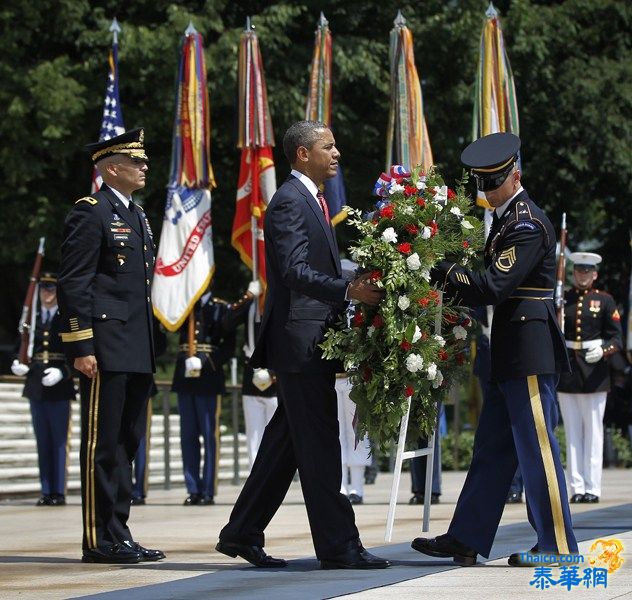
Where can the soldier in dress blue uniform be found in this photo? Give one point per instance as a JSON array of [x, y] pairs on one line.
[[592, 328], [49, 389], [199, 382], [527, 354], [104, 292]]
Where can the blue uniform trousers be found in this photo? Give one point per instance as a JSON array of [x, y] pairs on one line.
[[51, 420], [141, 458], [516, 427], [199, 417]]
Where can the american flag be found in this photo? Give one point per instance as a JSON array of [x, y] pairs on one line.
[[112, 123]]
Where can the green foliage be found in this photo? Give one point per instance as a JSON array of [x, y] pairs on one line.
[[571, 60], [622, 448], [464, 443]]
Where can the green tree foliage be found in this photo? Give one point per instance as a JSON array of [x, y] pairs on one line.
[[571, 60]]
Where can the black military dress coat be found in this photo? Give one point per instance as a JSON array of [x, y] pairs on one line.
[[590, 315], [105, 284], [518, 281]]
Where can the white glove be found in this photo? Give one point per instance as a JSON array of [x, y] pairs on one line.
[[52, 375], [262, 379], [594, 355], [19, 369], [193, 363], [254, 287]]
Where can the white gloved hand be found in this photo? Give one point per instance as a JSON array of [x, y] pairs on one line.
[[19, 369], [594, 355], [193, 363], [262, 379], [52, 375], [254, 287]]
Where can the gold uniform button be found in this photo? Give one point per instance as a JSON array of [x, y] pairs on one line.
[[523, 318], [45, 342], [46, 333], [103, 316], [147, 265], [145, 247], [147, 281], [122, 243], [148, 299], [197, 331]]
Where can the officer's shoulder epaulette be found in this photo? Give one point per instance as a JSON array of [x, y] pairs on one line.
[[523, 218], [219, 300], [602, 292], [89, 199]]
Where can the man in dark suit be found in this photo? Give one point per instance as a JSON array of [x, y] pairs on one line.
[[104, 292], [527, 355], [306, 293], [49, 389]]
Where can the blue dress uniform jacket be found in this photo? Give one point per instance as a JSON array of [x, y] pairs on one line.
[[518, 282], [590, 315], [105, 284]]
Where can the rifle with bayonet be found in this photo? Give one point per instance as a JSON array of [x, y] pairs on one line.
[[561, 275], [24, 328]]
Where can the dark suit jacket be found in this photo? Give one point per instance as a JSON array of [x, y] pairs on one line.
[[104, 288], [306, 290]]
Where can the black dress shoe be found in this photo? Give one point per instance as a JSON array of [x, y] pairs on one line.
[[137, 501], [255, 555], [146, 553], [113, 554], [355, 558], [577, 498], [417, 499], [516, 560], [206, 501], [192, 499], [589, 499], [57, 500], [514, 498], [445, 546], [44, 501], [355, 499]]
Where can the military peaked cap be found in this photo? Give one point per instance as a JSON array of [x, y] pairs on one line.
[[491, 158], [585, 259], [131, 142], [48, 279]]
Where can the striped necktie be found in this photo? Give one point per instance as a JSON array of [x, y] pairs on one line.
[[323, 205]]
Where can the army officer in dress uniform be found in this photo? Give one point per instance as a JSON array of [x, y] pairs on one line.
[[592, 328], [49, 388], [104, 292], [527, 354], [199, 382]]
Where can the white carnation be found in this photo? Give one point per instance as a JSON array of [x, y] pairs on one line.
[[416, 335], [426, 232], [396, 187], [370, 330], [389, 235], [406, 210], [403, 302], [455, 210], [466, 224], [414, 362], [441, 195], [425, 274], [438, 380], [439, 339], [413, 262], [421, 183], [459, 333], [431, 370]]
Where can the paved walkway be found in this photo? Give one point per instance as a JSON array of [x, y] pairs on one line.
[[40, 551]]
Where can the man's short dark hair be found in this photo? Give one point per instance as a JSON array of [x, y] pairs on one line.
[[301, 133]]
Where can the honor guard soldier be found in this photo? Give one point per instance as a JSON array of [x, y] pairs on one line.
[[104, 288], [49, 389], [527, 354], [592, 328], [199, 382]]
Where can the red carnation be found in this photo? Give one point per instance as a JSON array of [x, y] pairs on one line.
[[387, 212], [374, 221], [443, 355], [378, 321], [367, 373], [466, 322], [433, 228], [423, 302], [358, 319], [375, 275], [466, 244], [405, 248], [412, 229], [405, 345], [421, 202], [451, 194], [409, 391], [450, 318], [424, 336], [431, 191], [410, 190], [434, 296], [460, 358]]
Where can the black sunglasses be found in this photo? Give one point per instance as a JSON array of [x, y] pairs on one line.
[[487, 183]]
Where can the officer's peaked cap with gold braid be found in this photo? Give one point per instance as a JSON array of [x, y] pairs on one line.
[[131, 143]]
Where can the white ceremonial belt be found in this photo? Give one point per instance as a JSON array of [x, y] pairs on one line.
[[587, 345]]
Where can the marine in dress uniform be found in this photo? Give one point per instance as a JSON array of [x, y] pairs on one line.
[[592, 328], [199, 396], [49, 388], [527, 354], [104, 293]]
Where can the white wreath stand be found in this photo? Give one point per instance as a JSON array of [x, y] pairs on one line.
[[402, 455]]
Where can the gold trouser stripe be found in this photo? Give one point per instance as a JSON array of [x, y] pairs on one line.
[[68, 440], [218, 412], [549, 465], [93, 419], [147, 447]]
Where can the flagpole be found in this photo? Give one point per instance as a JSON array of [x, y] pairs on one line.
[[115, 28]]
